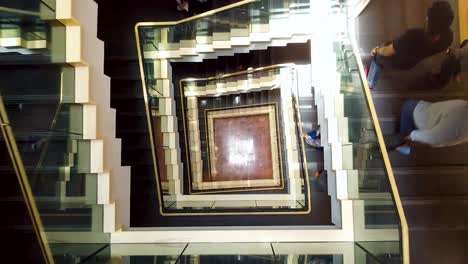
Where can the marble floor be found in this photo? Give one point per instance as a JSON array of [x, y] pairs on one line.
[[243, 148]]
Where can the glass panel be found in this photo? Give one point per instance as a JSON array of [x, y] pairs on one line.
[[207, 253], [37, 89], [81, 253], [378, 252], [374, 188], [378, 205]]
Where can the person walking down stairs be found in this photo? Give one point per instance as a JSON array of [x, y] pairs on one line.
[[439, 124], [415, 44]]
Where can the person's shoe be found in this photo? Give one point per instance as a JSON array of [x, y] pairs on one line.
[[317, 174], [405, 150], [366, 70]]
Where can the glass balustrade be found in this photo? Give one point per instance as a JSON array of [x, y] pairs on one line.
[[46, 139], [206, 253], [378, 252], [379, 198]]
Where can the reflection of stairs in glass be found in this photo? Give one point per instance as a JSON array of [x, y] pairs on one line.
[[23, 32], [54, 90], [18, 224], [51, 146], [256, 25]]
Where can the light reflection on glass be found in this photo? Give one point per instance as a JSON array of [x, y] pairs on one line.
[[241, 151]]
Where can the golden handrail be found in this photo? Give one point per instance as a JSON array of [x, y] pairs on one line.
[[227, 75]]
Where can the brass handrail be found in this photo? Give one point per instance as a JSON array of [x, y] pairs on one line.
[[227, 75], [22, 177], [383, 149]]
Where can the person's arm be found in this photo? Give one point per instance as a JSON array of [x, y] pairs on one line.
[[386, 51], [390, 48]]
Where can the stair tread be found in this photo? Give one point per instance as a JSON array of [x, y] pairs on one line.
[[127, 77], [121, 58], [445, 246]]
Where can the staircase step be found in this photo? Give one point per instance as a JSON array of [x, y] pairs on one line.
[[39, 99], [422, 155], [69, 219], [17, 212], [437, 212], [143, 172], [125, 122], [432, 181], [388, 104], [128, 88], [127, 96], [438, 246], [116, 68], [140, 157], [135, 105], [313, 155]]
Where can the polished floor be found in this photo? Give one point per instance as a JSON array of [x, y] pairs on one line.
[[242, 149], [234, 144]]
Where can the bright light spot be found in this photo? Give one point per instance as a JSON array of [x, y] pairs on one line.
[[241, 152]]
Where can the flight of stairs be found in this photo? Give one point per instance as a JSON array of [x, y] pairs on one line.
[[432, 181], [54, 92], [50, 141], [18, 226]]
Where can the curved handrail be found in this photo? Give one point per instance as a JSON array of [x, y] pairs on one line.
[[227, 75]]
